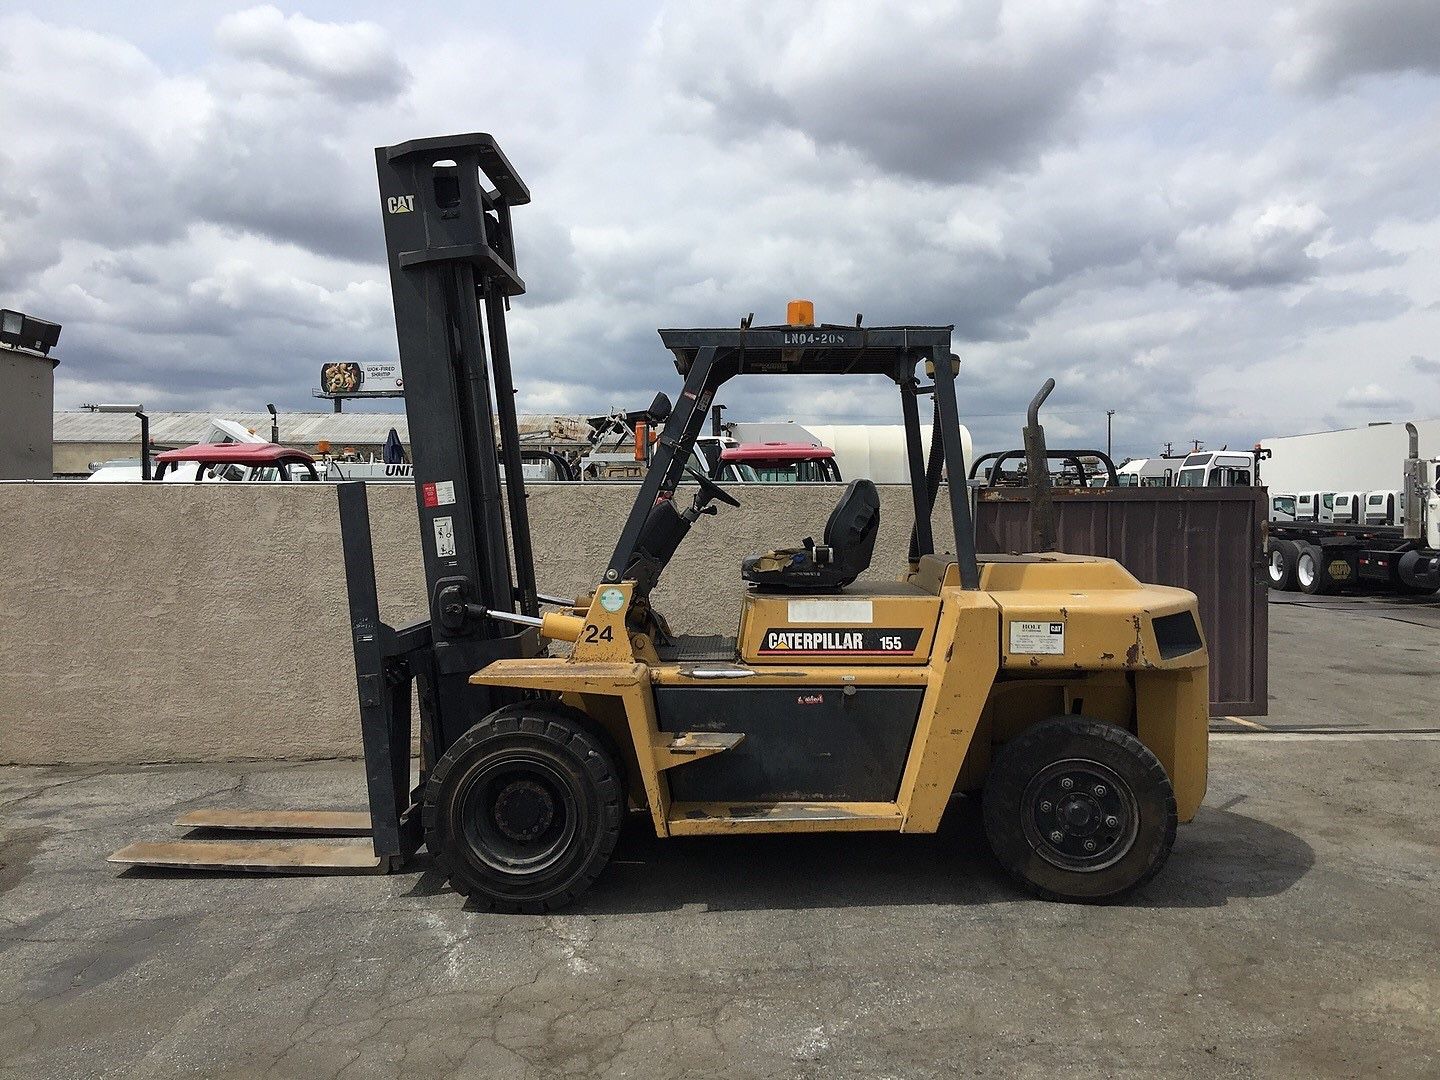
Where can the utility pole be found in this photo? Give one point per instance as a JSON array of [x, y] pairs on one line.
[[1109, 416]]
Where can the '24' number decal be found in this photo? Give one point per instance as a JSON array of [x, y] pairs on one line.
[[595, 633]]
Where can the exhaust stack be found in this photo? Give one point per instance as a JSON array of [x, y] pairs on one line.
[[1414, 487], [1037, 465]]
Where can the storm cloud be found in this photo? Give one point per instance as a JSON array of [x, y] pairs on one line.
[[1220, 223]]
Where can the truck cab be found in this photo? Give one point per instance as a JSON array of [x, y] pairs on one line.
[[1148, 472], [1314, 506], [781, 463], [1217, 469], [1349, 508], [1385, 508]]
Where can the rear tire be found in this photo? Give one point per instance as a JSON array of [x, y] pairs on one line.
[[1312, 575], [1079, 810], [1281, 568], [523, 811]]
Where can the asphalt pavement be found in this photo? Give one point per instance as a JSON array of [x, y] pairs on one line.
[[1292, 933]]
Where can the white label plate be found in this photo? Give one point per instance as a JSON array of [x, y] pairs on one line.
[[1037, 638], [445, 493], [831, 611], [445, 537]]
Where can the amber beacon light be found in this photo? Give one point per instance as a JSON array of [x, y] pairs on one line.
[[800, 313]]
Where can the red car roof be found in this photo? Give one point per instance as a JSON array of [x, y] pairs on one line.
[[776, 451], [254, 454]]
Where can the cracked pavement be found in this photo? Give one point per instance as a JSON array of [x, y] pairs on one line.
[[1293, 933]]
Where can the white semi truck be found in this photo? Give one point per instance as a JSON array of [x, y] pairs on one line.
[[1321, 542]]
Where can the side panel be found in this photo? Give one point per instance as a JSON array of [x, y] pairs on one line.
[[1173, 720], [896, 626], [962, 671], [842, 743]]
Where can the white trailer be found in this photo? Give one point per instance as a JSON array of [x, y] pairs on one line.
[[862, 451], [1350, 459]]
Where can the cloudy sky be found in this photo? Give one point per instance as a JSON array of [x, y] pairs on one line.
[[1220, 220]]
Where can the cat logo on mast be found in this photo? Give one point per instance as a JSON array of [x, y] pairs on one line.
[[401, 204]]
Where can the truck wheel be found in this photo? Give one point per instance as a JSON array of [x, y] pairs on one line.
[[523, 811], [1311, 573], [1282, 565], [1079, 810]]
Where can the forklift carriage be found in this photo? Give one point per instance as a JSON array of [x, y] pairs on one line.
[[1071, 695]]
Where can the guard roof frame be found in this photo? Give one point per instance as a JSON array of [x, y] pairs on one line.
[[710, 357]]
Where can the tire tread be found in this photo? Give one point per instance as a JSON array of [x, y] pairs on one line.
[[548, 721], [1061, 731]]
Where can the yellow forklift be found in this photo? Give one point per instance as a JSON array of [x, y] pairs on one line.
[[1072, 698]]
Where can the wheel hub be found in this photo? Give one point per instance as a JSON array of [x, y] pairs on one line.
[[1079, 815], [523, 810]]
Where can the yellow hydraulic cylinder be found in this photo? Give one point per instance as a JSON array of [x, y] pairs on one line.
[[558, 627]]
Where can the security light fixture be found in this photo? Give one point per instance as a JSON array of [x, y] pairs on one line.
[[22, 331]]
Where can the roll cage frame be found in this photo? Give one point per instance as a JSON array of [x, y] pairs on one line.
[[708, 358]]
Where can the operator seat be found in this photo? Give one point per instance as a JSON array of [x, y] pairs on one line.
[[849, 542]]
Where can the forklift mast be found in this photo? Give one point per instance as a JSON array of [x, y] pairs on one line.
[[452, 270]]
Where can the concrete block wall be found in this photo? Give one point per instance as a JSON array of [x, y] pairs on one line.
[[208, 622]]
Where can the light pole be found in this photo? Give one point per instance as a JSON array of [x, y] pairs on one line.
[[139, 412], [1109, 416]]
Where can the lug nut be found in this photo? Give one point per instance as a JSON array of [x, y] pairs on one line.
[[1099, 790], [1057, 836], [1046, 807], [1112, 821], [1067, 783], [1089, 845]]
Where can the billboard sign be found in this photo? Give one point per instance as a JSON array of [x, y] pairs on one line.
[[348, 379]]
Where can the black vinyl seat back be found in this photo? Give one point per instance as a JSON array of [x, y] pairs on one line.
[[849, 545], [855, 521]]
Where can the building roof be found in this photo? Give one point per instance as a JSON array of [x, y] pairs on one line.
[[296, 428]]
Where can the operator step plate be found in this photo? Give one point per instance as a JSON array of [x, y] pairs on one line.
[[693, 818], [256, 856], [291, 822]]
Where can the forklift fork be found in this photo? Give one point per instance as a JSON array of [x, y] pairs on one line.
[[387, 662]]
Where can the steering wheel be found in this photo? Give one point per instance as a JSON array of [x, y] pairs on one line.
[[709, 489]]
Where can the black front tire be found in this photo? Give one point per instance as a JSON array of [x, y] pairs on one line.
[[1079, 810], [522, 812]]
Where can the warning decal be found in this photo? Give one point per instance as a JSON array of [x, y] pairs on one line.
[[438, 492], [817, 641], [445, 537], [1038, 638]]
